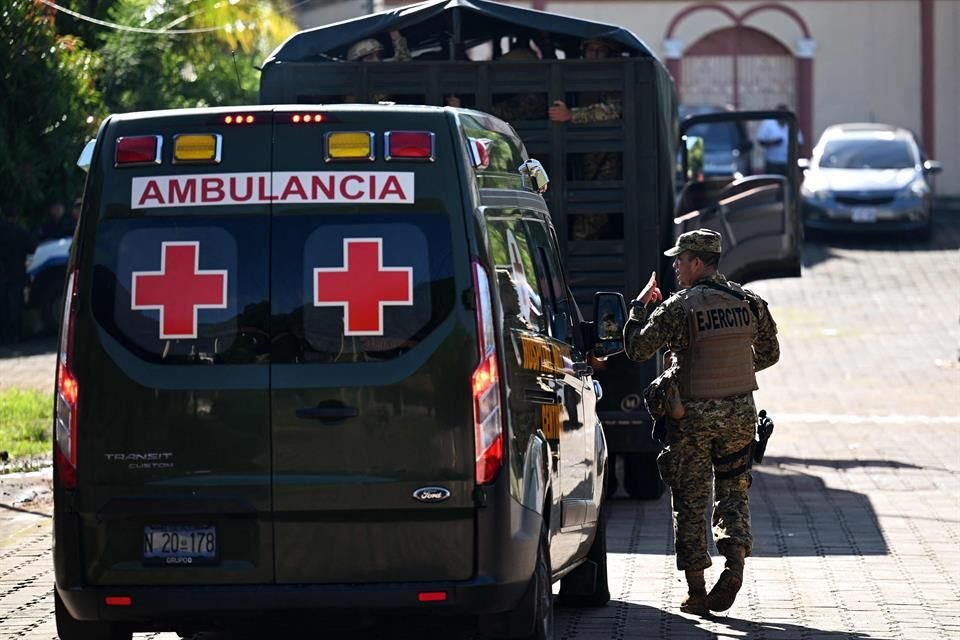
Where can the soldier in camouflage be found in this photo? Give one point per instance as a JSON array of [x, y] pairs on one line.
[[371, 50], [718, 335], [598, 108]]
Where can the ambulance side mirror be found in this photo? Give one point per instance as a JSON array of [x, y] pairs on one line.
[[86, 156], [609, 318], [534, 176]]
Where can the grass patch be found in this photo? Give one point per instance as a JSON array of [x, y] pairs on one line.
[[26, 419]]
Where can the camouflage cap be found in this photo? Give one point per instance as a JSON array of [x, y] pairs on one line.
[[705, 240], [364, 48]]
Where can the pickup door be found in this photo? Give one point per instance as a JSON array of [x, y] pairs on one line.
[[728, 183]]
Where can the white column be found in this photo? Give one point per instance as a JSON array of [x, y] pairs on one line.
[[806, 47], [673, 48]]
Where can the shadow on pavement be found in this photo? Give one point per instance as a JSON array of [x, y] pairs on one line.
[[839, 464], [820, 246], [7, 507], [793, 514], [617, 619], [29, 347], [796, 514], [626, 620]]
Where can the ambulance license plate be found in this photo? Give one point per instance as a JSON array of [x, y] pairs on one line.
[[179, 545]]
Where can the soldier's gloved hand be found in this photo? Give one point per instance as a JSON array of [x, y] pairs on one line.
[[651, 291], [559, 112]]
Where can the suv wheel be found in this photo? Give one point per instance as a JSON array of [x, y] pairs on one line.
[[69, 628], [586, 586], [641, 477]]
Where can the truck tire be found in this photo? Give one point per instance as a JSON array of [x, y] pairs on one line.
[[69, 628], [587, 586], [641, 477], [533, 617]]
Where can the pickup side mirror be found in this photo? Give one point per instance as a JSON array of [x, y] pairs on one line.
[[534, 176], [932, 166], [609, 318]]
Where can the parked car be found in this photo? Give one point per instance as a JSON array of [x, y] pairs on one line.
[[726, 145], [46, 272], [868, 177]]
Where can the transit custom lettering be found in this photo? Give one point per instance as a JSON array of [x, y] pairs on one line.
[[287, 187]]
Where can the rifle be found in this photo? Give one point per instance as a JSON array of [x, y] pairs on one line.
[[764, 431]]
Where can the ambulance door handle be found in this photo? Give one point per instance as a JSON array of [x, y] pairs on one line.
[[327, 413], [539, 396]]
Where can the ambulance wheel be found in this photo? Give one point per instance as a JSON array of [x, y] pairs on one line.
[[533, 617], [586, 586], [68, 628], [641, 477]]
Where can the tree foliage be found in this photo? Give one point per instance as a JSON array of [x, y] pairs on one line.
[[58, 87], [51, 106], [217, 67]]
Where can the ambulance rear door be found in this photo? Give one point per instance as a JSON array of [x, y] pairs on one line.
[[164, 405], [372, 349]]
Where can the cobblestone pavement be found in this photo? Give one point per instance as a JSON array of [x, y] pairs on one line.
[[856, 509]]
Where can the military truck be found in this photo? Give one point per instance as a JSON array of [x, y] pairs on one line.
[[621, 188]]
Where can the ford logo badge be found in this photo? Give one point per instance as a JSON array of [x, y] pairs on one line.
[[431, 494]]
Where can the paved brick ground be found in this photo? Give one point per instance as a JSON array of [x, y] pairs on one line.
[[856, 509]]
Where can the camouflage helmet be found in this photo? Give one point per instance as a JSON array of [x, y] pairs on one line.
[[598, 41], [362, 48]]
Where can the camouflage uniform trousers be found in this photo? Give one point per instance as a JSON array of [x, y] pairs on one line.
[[711, 430]]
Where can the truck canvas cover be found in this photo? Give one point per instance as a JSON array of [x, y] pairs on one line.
[[462, 22]]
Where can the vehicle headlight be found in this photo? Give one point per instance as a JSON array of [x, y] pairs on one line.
[[916, 189]]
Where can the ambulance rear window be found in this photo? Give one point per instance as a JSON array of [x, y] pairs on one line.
[[358, 288]]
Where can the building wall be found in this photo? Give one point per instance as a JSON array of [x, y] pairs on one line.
[[947, 95], [316, 14]]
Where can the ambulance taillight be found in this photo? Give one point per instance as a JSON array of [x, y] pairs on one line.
[[350, 145], [409, 145], [68, 393], [197, 148], [138, 150], [487, 425]]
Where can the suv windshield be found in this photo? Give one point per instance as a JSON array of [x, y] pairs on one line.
[[862, 153]]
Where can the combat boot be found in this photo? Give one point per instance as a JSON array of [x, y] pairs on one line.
[[723, 594], [696, 593]]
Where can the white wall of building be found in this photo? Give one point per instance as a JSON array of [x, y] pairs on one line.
[[947, 94]]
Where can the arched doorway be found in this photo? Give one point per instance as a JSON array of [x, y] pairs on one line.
[[739, 66]]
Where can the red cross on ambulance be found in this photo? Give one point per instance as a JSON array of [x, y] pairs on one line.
[[179, 289], [362, 286]]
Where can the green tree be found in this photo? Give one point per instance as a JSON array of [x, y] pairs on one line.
[[214, 66], [49, 107]]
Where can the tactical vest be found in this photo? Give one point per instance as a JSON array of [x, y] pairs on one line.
[[719, 360]]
